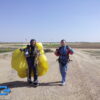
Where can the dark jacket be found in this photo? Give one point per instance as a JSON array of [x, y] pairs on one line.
[[63, 52], [31, 52]]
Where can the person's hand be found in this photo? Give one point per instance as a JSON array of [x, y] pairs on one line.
[[56, 52], [21, 49]]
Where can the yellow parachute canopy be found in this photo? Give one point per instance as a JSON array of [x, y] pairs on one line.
[[19, 62]]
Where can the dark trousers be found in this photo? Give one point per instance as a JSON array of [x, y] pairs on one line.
[[32, 68]]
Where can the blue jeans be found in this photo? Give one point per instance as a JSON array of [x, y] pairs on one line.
[[63, 71]]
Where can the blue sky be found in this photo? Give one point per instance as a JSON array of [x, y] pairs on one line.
[[50, 20]]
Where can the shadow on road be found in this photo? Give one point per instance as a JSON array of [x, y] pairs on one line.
[[51, 84], [17, 84]]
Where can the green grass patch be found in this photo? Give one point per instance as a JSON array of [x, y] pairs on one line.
[[2, 50], [51, 45], [18, 45]]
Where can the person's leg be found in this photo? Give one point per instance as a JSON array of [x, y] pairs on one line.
[[35, 73], [63, 70], [29, 70], [64, 73]]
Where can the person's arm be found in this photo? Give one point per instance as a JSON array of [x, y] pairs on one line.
[[57, 52], [24, 48], [37, 52], [71, 51]]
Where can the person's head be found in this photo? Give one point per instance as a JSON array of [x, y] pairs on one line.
[[33, 42], [63, 42]]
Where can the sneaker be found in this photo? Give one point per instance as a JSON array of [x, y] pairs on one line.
[[35, 83], [29, 81], [63, 84]]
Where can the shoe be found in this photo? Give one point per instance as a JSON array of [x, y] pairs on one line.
[[35, 83], [29, 81], [63, 84]]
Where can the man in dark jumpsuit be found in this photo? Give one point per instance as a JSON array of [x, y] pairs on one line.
[[31, 54]]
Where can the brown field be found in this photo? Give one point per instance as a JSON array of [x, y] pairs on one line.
[[87, 45], [83, 77]]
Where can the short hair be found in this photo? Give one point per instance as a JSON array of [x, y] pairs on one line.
[[32, 40], [63, 40]]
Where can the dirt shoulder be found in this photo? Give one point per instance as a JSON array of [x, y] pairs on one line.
[[83, 80]]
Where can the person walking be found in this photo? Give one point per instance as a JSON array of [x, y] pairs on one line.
[[63, 53], [31, 54]]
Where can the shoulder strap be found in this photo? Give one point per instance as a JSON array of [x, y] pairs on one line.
[[67, 47]]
